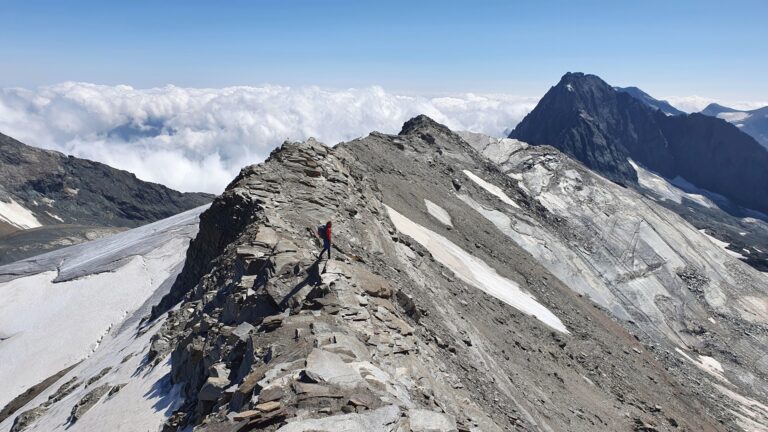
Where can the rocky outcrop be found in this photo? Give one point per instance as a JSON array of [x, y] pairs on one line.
[[81, 196], [604, 128]]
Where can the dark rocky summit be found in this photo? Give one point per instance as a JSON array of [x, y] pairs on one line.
[[75, 199], [604, 128]]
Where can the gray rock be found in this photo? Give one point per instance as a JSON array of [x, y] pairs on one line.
[[380, 420], [327, 367], [87, 402], [215, 384], [422, 420]]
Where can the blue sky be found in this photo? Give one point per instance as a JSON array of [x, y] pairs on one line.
[[711, 48]]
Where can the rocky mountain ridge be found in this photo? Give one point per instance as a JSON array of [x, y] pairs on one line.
[[753, 122], [271, 338], [49, 200], [476, 284], [649, 100]]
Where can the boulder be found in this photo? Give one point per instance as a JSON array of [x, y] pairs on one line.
[[380, 420], [271, 393], [268, 406], [327, 367], [217, 381], [430, 421]]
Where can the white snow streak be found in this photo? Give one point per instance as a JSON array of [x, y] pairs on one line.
[[17, 215], [752, 415], [438, 212], [665, 189], [707, 364], [474, 271], [491, 188], [734, 117], [723, 245]]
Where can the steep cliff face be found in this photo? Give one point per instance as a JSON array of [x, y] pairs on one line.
[[717, 156], [603, 128]]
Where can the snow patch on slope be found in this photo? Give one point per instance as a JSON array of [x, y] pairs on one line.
[[438, 212], [707, 364], [734, 117], [474, 271], [80, 294], [17, 215], [491, 188], [723, 245], [82, 309], [144, 401], [665, 189]]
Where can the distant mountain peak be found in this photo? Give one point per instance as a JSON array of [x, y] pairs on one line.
[[69, 200], [752, 122], [714, 109], [604, 127]]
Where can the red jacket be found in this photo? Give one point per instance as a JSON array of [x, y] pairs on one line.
[[328, 233]]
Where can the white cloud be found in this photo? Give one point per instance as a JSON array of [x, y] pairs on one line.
[[692, 104], [197, 139]]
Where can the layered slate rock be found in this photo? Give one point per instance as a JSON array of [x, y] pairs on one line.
[[604, 128]]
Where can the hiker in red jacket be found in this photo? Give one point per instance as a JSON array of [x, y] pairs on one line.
[[324, 232]]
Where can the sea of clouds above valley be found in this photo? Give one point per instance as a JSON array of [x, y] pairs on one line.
[[198, 139]]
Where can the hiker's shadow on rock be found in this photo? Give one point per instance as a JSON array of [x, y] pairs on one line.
[[313, 279]]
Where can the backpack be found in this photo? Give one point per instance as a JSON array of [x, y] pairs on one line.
[[321, 231]]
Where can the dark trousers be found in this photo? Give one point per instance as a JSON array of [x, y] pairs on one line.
[[326, 247]]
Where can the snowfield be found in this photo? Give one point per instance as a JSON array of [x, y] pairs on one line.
[[81, 306], [438, 212], [734, 117], [475, 271], [491, 188], [18, 215], [723, 245], [666, 190]]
